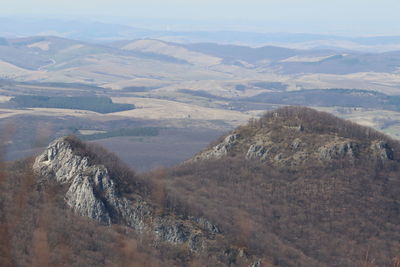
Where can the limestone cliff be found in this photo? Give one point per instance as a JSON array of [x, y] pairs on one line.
[[93, 192]]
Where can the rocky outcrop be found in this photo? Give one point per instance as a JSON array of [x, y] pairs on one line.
[[382, 150], [221, 149], [257, 152], [292, 137], [338, 150], [178, 232], [378, 150], [93, 192]]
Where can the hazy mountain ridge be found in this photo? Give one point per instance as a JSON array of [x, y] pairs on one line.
[[126, 63], [102, 32], [57, 47]]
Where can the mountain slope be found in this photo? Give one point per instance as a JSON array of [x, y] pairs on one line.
[[297, 136], [98, 187], [295, 188], [300, 188]]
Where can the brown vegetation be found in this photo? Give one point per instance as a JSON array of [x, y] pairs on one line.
[[37, 230], [332, 213], [336, 213]]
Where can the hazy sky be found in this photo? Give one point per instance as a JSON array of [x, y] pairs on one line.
[[363, 16]]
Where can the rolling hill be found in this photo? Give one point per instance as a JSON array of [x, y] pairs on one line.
[[296, 187]]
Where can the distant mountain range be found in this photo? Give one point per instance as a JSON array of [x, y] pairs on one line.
[[223, 70], [105, 32], [56, 53]]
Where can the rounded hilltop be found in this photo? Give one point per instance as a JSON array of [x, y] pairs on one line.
[[293, 136]]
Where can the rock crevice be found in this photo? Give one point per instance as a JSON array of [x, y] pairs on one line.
[[92, 192]]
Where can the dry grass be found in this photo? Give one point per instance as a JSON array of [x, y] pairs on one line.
[[163, 48], [382, 82], [156, 109]]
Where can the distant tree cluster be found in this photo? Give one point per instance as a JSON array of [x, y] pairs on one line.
[[92, 103], [137, 89], [330, 98]]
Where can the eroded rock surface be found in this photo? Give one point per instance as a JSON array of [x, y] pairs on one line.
[[221, 149], [256, 152], [382, 150], [338, 151], [277, 142], [92, 192]]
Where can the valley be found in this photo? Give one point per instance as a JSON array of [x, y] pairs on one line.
[[205, 86]]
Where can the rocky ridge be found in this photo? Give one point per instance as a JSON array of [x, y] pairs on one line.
[[289, 140], [94, 193], [279, 187]]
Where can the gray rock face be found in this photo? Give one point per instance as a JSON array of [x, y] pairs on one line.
[[382, 150], [338, 151], [207, 225], [93, 193], [178, 232], [221, 149], [256, 152]]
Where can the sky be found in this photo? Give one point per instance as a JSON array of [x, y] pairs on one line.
[[313, 16]]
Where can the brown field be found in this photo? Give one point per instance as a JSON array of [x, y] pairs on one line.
[[171, 147]]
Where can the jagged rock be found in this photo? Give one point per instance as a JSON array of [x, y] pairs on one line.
[[207, 225], [221, 149], [178, 232], [382, 150], [338, 151], [256, 152], [287, 138], [92, 192]]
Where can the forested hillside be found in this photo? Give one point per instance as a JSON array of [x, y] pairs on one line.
[[295, 188]]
